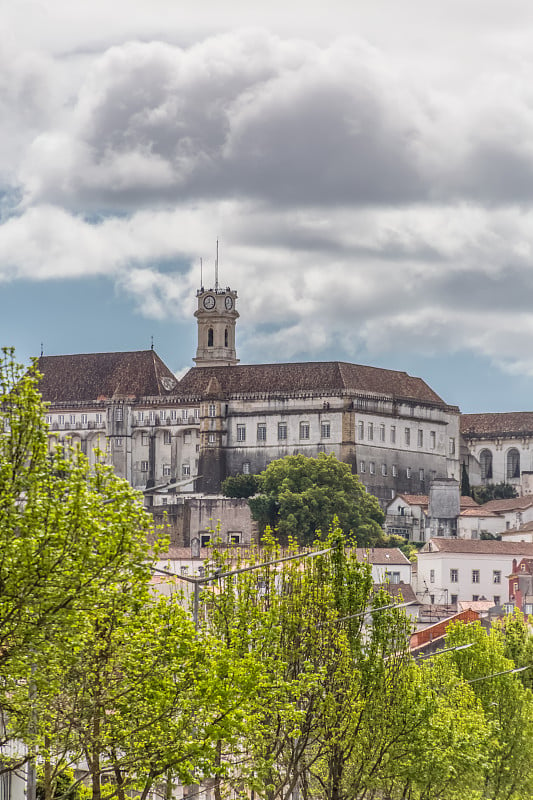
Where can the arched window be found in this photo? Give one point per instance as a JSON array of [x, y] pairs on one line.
[[485, 460], [226, 338], [513, 463], [210, 337]]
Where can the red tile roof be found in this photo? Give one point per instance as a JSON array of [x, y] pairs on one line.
[[382, 555], [512, 423], [396, 589], [423, 500], [478, 547], [312, 377], [479, 511], [510, 504], [102, 376]]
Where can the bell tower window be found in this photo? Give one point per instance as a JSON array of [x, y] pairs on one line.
[[210, 337], [225, 337]]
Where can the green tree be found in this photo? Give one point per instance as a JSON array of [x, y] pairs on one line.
[[498, 491], [241, 485], [301, 495], [465, 482]]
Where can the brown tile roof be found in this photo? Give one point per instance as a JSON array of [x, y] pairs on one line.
[[395, 589], [382, 555], [512, 423], [97, 376], [475, 605], [478, 547], [423, 500], [477, 512], [510, 504], [313, 377]]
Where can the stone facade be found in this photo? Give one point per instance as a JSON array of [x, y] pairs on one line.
[[223, 418]]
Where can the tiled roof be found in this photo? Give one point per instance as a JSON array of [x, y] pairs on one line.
[[510, 504], [468, 502], [98, 376], [313, 377], [395, 589], [382, 555], [475, 605], [423, 500], [505, 424], [477, 512], [478, 547]]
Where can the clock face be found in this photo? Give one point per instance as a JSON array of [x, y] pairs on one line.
[[209, 302], [229, 303]]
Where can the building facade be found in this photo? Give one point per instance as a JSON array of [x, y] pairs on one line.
[[223, 418]]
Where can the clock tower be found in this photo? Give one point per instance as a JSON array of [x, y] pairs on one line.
[[216, 315]]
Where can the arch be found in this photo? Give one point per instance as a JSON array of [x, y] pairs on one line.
[[226, 337], [485, 461], [210, 337], [512, 463]]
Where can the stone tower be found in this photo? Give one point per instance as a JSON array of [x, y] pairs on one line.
[[216, 315]]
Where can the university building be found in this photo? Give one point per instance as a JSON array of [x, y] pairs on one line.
[[223, 418]]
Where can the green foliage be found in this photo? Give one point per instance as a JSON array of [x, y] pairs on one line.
[[498, 491], [465, 482], [301, 495], [241, 485]]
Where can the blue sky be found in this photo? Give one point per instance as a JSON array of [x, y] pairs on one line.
[[368, 169]]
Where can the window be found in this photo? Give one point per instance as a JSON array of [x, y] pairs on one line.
[[421, 474], [210, 337], [261, 432], [454, 576], [475, 576], [407, 436], [382, 433], [144, 466], [485, 462], [246, 468], [383, 469], [513, 463], [421, 438], [432, 440], [166, 470], [211, 438], [475, 597], [432, 576], [99, 418], [61, 419], [167, 437], [282, 431], [205, 538], [451, 446], [184, 413], [394, 471], [184, 570], [211, 410], [393, 434], [325, 430], [119, 413], [72, 419], [304, 430], [496, 576], [234, 537], [225, 337], [361, 430], [164, 501], [173, 415], [453, 599], [118, 441], [497, 599], [84, 419], [185, 470], [145, 439], [196, 413], [392, 577], [48, 419], [140, 416], [408, 472], [362, 467], [372, 468], [152, 417], [241, 433], [370, 431]]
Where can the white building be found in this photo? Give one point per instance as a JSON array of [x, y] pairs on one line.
[[223, 418], [498, 448], [389, 564], [408, 515], [450, 570]]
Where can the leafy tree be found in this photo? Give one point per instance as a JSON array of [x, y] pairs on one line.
[[498, 491], [241, 485], [465, 482], [301, 495]]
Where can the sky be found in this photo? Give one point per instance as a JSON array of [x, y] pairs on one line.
[[367, 168]]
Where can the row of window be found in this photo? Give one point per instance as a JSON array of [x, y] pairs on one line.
[[167, 438], [476, 576], [512, 464], [304, 431], [393, 471], [454, 598], [73, 418], [378, 432], [185, 469], [173, 414]]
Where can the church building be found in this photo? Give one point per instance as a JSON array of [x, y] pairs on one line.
[[223, 418]]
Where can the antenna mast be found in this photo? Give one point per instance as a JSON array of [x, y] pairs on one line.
[[201, 273], [216, 270]]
